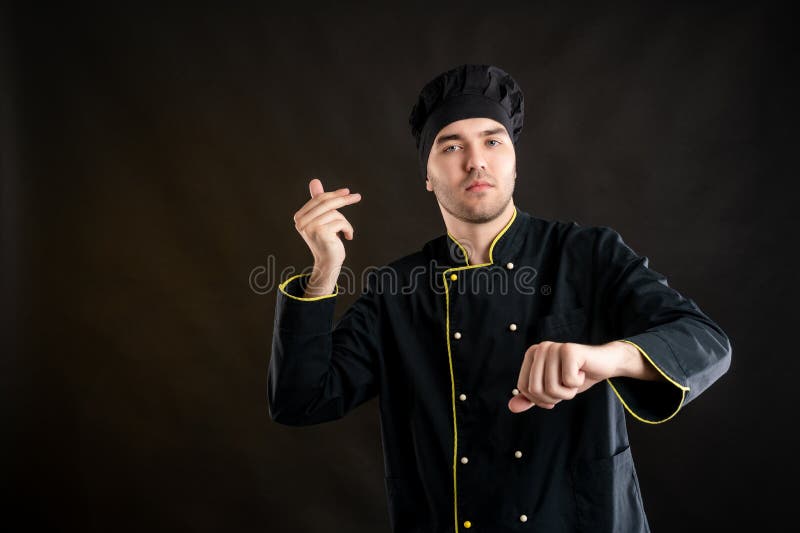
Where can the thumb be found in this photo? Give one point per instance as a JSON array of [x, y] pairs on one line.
[[519, 403], [315, 187]]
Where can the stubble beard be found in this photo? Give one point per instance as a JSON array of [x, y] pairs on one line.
[[478, 214]]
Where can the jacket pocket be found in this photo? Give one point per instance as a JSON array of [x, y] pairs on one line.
[[564, 326], [607, 495]]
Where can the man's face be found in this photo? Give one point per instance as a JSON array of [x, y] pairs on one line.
[[469, 151]]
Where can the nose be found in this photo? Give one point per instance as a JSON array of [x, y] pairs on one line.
[[475, 159]]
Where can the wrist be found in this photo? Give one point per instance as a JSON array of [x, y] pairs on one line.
[[322, 281], [325, 269], [632, 363]]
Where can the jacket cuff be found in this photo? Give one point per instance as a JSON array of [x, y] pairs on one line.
[[293, 312], [652, 402]]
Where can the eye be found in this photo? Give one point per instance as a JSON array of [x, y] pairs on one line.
[[493, 141], [451, 146]]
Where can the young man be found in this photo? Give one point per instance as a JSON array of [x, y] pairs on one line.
[[504, 352]]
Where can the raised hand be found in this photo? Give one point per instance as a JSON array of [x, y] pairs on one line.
[[319, 223]]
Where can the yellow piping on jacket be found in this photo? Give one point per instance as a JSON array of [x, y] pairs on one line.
[[449, 354], [283, 285], [684, 389]]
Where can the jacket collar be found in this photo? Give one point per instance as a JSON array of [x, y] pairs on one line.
[[503, 249]]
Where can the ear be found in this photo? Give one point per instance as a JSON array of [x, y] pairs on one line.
[[428, 184]]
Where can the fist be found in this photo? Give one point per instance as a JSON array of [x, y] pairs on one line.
[[555, 371]]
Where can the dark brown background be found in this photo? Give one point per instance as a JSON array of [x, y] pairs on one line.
[[152, 158]]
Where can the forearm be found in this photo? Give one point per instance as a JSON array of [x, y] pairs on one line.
[[301, 352], [319, 371]]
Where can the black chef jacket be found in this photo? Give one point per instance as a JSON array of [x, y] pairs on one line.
[[441, 342]]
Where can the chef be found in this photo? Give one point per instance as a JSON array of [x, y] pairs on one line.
[[504, 353]]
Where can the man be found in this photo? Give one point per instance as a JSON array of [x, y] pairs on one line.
[[504, 353]]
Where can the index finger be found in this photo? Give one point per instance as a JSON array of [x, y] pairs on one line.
[[315, 201]]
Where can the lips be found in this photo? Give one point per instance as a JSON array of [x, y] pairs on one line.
[[479, 186]]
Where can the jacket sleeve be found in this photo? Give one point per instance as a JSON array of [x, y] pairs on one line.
[[318, 373], [686, 347]]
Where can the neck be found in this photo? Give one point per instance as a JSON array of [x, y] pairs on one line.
[[476, 238]]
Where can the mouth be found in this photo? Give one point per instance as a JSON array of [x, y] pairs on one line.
[[479, 186]]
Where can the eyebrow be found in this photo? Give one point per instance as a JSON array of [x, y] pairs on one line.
[[456, 137]]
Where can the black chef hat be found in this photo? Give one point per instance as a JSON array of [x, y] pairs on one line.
[[467, 91]]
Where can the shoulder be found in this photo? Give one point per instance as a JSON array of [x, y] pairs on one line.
[[569, 233], [579, 239], [409, 261], [603, 243], [388, 278]]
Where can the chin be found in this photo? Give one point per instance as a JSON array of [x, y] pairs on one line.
[[483, 211]]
